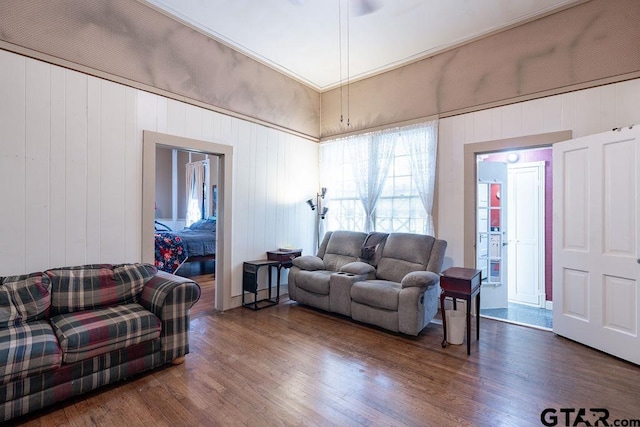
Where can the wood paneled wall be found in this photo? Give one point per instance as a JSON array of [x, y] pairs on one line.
[[71, 170]]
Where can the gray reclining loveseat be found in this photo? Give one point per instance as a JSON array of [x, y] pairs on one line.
[[388, 280]]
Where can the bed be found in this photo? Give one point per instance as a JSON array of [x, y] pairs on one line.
[[194, 243]]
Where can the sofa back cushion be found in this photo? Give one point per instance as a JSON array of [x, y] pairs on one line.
[[342, 248], [87, 287], [403, 253], [24, 298]]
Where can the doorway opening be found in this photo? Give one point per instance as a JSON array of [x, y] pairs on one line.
[[186, 208], [513, 243], [223, 209]]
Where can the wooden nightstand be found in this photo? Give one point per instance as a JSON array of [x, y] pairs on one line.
[[462, 283]]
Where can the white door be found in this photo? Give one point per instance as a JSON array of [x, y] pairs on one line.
[[491, 235], [526, 233], [596, 241]]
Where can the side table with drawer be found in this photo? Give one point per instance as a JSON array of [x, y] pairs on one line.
[[461, 283]]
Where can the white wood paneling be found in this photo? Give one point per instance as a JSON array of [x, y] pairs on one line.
[[37, 138], [94, 199], [133, 193], [57, 171], [112, 173], [533, 117], [72, 151], [12, 162]]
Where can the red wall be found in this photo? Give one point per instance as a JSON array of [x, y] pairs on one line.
[[541, 155]]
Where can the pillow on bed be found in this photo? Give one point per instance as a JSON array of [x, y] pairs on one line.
[[204, 225]]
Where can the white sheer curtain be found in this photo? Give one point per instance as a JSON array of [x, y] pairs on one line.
[[195, 179], [421, 142], [371, 155]]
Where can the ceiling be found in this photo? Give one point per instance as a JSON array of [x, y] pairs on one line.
[[318, 43]]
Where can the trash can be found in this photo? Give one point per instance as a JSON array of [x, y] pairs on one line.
[[456, 326]]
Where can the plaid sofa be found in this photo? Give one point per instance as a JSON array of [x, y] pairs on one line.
[[70, 330]]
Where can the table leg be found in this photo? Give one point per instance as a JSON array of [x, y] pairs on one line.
[[444, 319], [278, 284], [478, 317], [270, 282], [468, 325]]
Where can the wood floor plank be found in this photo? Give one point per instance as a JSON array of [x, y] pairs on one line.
[[293, 365]]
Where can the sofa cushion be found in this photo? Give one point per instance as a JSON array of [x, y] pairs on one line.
[[93, 286], [24, 298], [314, 281], [28, 349], [343, 247], [377, 293], [357, 267], [402, 254], [308, 262], [90, 333]]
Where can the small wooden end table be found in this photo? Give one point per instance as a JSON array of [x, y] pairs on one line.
[[462, 283], [250, 281]]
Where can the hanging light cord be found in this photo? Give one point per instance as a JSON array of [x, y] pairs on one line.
[[348, 68], [340, 52]]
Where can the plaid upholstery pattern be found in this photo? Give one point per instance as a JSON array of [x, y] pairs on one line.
[[170, 298], [9, 314], [27, 349], [24, 298], [37, 391], [85, 334], [93, 286]]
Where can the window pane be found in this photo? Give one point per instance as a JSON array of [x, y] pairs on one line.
[[399, 207]]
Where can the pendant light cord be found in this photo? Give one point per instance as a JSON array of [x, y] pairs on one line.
[[340, 52]]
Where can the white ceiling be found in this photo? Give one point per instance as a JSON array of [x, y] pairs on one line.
[[314, 42]]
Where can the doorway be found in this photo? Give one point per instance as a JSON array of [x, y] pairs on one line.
[[186, 184], [517, 273], [224, 153]]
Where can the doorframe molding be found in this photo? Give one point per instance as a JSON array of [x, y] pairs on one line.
[[471, 150], [150, 141]]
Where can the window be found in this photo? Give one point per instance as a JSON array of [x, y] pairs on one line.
[[405, 169]]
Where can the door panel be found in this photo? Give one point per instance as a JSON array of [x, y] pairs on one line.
[[526, 233], [596, 241], [491, 231]]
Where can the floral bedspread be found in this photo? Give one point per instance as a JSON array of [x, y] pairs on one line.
[[170, 252]]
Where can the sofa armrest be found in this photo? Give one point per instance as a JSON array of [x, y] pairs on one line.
[[308, 262], [420, 279], [170, 298], [357, 267]]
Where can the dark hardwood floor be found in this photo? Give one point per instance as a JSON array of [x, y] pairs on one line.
[[292, 365]]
